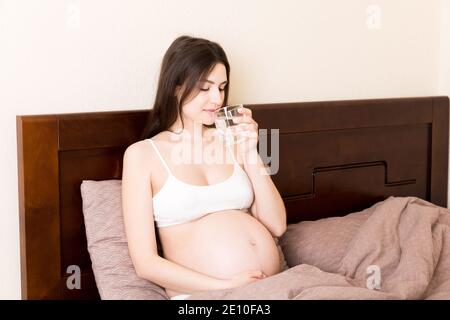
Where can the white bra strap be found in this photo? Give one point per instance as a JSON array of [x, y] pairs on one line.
[[160, 157]]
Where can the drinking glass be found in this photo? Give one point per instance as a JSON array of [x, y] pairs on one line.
[[225, 124]]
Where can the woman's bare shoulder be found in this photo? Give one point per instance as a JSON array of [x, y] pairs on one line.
[[145, 152], [141, 152], [144, 146], [138, 147]]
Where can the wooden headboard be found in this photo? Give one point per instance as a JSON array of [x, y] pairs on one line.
[[335, 157]]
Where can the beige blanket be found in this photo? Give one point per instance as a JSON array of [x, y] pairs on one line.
[[402, 251]]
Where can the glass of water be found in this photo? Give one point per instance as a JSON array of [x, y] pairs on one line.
[[225, 124]]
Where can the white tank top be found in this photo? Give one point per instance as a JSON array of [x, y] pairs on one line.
[[179, 202]]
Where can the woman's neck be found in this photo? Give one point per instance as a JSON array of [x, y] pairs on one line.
[[192, 132]]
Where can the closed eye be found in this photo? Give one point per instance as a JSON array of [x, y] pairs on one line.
[[206, 89]]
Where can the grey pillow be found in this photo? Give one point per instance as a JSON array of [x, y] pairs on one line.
[[321, 243], [113, 268]]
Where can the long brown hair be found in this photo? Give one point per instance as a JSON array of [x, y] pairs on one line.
[[185, 62]]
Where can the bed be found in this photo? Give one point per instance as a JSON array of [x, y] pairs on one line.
[[336, 157]]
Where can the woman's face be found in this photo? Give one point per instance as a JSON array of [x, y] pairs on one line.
[[210, 96]]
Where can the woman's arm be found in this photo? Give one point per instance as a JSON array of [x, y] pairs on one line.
[[178, 278], [268, 206]]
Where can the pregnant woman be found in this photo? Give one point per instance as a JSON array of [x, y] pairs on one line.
[[216, 220]]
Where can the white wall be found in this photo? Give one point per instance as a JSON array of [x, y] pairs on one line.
[[59, 56], [444, 62], [444, 58]]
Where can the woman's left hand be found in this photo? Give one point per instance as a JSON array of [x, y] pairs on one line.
[[247, 130]]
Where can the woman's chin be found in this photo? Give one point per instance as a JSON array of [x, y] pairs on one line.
[[208, 122], [208, 117]]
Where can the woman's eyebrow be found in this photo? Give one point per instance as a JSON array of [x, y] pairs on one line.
[[209, 81]]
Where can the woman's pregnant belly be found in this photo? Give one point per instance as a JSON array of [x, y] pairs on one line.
[[221, 245]]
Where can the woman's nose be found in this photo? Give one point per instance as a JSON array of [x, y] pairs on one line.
[[216, 96]]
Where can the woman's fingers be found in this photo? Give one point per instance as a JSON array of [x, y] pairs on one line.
[[257, 274], [246, 116], [246, 129], [245, 111]]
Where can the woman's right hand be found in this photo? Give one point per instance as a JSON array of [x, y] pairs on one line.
[[245, 277]]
